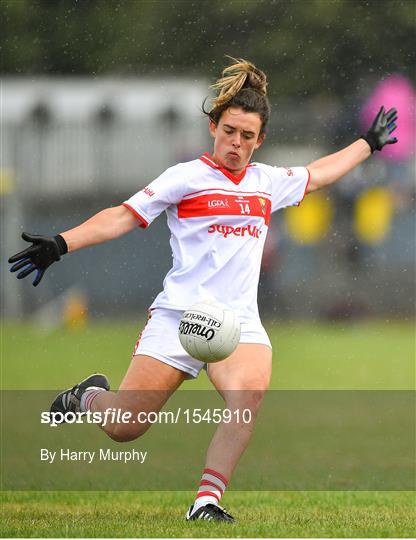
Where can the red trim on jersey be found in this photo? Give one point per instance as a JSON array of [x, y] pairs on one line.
[[217, 474], [143, 223], [216, 204], [209, 483], [242, 193], [235, 178], [306, 187], [207, 494]]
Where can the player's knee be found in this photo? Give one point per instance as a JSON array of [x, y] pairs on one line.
[[246, 399], [126, 432], [253, 399]]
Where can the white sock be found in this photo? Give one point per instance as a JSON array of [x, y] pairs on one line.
[[211, 489], [88, 396]]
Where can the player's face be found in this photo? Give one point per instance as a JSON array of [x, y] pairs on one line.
[[236, 136]]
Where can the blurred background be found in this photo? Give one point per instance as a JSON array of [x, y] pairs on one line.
[[98, 98]]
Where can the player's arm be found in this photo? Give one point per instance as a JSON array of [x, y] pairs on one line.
[[329, 169], [45, 250], [104, 226]]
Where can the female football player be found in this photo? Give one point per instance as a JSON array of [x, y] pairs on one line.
[[218, 209]]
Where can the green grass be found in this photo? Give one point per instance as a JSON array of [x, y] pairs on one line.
[[161, 514], [362, 356]]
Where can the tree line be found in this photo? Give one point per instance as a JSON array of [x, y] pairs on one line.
[[305, 46]]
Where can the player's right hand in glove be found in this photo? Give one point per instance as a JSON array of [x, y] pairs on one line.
[[44, 251], [379, 133]]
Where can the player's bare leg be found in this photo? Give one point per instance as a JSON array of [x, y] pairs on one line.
[[242, 380], [146, 387]]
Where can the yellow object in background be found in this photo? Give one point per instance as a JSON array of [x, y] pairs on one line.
[[75, 311], [373, 215], [6, 181], [309, 223]]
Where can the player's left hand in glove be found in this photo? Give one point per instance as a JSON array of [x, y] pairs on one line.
[[44, 251], [383, 126]]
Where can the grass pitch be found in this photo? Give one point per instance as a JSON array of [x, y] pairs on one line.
[[161, 514], [370, 356], [357, 356]]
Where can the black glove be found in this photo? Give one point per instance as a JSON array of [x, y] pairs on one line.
[[44, 251], [379, 133]]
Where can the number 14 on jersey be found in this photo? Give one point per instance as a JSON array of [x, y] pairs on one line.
[[244, 207]]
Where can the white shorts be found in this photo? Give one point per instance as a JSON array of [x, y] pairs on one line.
[[160, 340]]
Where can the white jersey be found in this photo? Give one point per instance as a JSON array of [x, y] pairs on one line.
[[218, 225]]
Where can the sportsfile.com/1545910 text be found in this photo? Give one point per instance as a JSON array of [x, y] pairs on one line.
[[118, 416]]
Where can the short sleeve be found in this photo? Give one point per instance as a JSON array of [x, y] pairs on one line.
[[148, 203], [288, 186]]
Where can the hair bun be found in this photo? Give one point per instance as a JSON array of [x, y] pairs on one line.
[[241, 74]]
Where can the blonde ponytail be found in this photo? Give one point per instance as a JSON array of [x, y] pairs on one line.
[[241, 74], [242, 85]]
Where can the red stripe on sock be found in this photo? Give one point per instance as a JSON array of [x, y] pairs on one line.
[[208, 483], [208, 494], [90, 399], [217, 474]]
